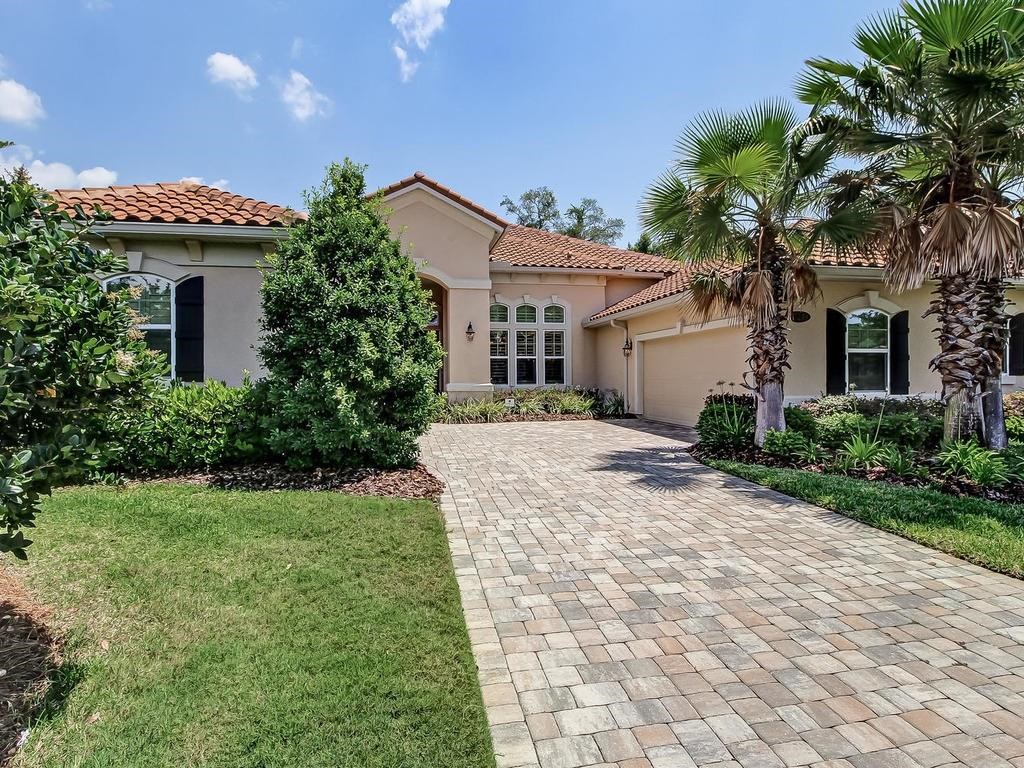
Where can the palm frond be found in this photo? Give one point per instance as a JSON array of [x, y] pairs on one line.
[[710, 296], [996, 243], [801, 283], [757, 302], [948, 238]]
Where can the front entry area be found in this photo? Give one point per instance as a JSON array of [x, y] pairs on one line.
[[437, 324]]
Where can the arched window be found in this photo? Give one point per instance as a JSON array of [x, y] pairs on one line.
[[153, 299], [554, 344], [526, 313], [867, 350]]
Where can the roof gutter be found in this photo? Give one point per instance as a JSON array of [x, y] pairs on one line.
[[192, 231], [643, 309], [504, 266]]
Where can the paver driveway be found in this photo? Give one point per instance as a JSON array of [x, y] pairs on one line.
[[631, 607]]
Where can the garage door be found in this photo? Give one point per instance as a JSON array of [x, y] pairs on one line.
[[678, 371]]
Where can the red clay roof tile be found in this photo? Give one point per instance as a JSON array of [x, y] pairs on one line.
[[176, 203]]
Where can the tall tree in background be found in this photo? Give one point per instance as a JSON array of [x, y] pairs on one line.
[[643, 244], [936, 108], [586, 220], [735, 207], [538, 208]]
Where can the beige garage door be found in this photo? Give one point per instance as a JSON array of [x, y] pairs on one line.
[[678, 371]]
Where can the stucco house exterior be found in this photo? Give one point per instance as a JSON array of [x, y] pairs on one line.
[[517, 307]]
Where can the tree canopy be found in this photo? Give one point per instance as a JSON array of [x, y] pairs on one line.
[[538, 208]]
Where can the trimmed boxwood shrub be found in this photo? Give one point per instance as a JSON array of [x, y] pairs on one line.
[[800, 420], [189, 427], [835, 429], [785, 445]]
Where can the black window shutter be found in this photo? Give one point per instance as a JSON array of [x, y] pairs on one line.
[[188, 330], [899, 353], [1015, 365], [835, 352]]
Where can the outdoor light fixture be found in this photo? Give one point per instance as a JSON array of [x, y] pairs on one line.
[[627, 348], [470, 333]]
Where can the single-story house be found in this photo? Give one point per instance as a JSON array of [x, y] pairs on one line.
[[517, 307]]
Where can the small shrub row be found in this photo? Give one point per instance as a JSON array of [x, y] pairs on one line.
[[189, 427], [537, 403]]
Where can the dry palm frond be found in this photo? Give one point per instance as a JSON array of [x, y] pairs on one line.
[[801, 283], [907, 266], [711, 296], [758, 302], [996, 244], [949, 238]]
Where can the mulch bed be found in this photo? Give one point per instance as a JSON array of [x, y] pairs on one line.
[[1012, 493], [29, 654], [415, 483]]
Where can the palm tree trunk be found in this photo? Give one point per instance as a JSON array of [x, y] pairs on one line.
[[992, 294], [966, 312], [769, 359]]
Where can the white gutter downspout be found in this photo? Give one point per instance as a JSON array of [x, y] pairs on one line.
[[625, 362]]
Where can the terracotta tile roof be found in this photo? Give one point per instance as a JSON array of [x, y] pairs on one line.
[[672, 285], [176, 203], [527, 247], [678, 282], [421, 178]]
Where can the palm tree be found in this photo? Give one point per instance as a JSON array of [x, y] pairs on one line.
[[935, 110], [734, 207]]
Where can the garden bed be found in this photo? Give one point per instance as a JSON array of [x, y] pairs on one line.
[[984, 532], [29, 655], [415, 483]]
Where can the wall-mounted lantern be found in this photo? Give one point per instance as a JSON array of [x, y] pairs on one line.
[[627, 348], [470, 332]]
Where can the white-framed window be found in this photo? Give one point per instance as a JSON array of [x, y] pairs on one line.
[[529, 345], [526, 358], [867, 350], [153, 300]]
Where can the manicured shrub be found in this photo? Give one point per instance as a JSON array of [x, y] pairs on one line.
[[789, 445], [800, 420], [70, 353], [834, 429], [351, 366], [830, 405], [1013, 405], [725, 397], [1015, 427], [905, 429], [726, 426], [188, 427]]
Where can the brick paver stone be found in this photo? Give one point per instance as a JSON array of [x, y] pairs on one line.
[[630, 607]]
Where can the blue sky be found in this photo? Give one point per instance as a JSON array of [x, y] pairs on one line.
[[496, 96]]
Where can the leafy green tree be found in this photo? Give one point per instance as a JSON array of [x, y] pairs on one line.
[[70, 354], [935, 108], [351, 365], [537, 208], [586, 219], [735, 207], [643, 244]]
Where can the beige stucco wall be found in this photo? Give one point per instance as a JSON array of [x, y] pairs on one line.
[[718, 349]]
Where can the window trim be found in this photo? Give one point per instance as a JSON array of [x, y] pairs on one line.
[[539, 327], [858, 350], [171, 326]]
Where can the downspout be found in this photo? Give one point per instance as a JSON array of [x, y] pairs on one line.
[[625, 363]]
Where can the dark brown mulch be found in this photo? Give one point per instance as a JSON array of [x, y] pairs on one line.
[[415, 483], [29, 654], [1012, 493]]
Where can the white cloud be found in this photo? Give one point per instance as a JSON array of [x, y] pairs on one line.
[[232, 71], [406, 66], [219, 183], [419, 20], [54, 175], [302, 98], [297, 45], [18, 104]]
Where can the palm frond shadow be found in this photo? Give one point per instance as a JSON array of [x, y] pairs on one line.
[[665, 468]]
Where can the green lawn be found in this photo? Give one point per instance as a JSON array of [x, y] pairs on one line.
[[984, 532], [220, 628]]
